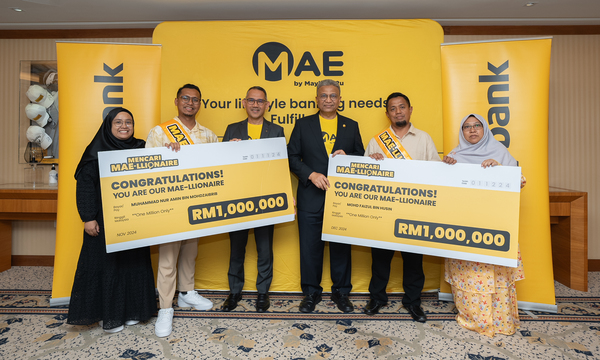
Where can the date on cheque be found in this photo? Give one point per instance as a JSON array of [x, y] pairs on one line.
[[231, 209], [481, 238]]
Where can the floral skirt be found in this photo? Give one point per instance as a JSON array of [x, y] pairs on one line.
[[488, 313]]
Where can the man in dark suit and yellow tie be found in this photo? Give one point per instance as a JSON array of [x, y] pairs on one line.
[[254, 127], [313, 139]]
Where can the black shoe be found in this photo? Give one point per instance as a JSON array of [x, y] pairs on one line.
[[373, 306], [342, 301], [262, 302], [232, 301], [416, 312], [309, 302]]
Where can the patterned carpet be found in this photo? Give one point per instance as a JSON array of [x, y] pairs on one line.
[[31, 329]]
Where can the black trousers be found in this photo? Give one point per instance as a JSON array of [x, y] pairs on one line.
[[310, 227], [413, 278], [264, 264]]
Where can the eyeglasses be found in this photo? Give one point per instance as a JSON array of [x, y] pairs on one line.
[[474, 126], [187, 99], [324, 97], [120, 123], [251, 101]]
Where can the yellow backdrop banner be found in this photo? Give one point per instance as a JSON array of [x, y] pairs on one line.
[[370, 59], [507, 83], [94, 78]]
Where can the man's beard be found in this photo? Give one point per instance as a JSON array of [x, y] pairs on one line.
[[401, 124]]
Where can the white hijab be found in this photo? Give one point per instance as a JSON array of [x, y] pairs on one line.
[[486, 148]]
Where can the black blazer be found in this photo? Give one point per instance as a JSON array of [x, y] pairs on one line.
[[239, 130], [306, 153]]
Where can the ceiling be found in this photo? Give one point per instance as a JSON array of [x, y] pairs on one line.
[[97, 14]]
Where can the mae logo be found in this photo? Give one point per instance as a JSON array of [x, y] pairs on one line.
[[328, 138], [273, 60]]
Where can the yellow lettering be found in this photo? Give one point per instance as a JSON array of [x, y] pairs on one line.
[[415, 231], [196, 214], [208, 213], [402, 227]]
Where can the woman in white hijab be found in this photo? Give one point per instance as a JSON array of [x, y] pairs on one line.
[[484, 294]]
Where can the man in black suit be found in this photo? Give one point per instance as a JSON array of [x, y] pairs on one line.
[[313, 139], [254, 127]]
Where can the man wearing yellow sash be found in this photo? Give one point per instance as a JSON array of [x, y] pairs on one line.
[[181, 130], [400, 141]]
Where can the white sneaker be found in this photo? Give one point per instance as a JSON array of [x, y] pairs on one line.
[[115, 330], [192, 299], [131, 322], [101, 324], [164, 323]]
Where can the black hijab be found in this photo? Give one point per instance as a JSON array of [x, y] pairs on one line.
[[106, 141]]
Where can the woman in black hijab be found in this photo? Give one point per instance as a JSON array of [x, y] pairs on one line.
[[116, 289]]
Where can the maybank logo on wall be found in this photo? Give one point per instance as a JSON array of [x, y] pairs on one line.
[[272, 60]]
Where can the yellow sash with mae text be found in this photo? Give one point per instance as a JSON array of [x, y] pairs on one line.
[[391, 148], [176, 133]]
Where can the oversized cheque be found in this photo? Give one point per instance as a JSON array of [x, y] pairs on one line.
[[154, 196], [458, 211]]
